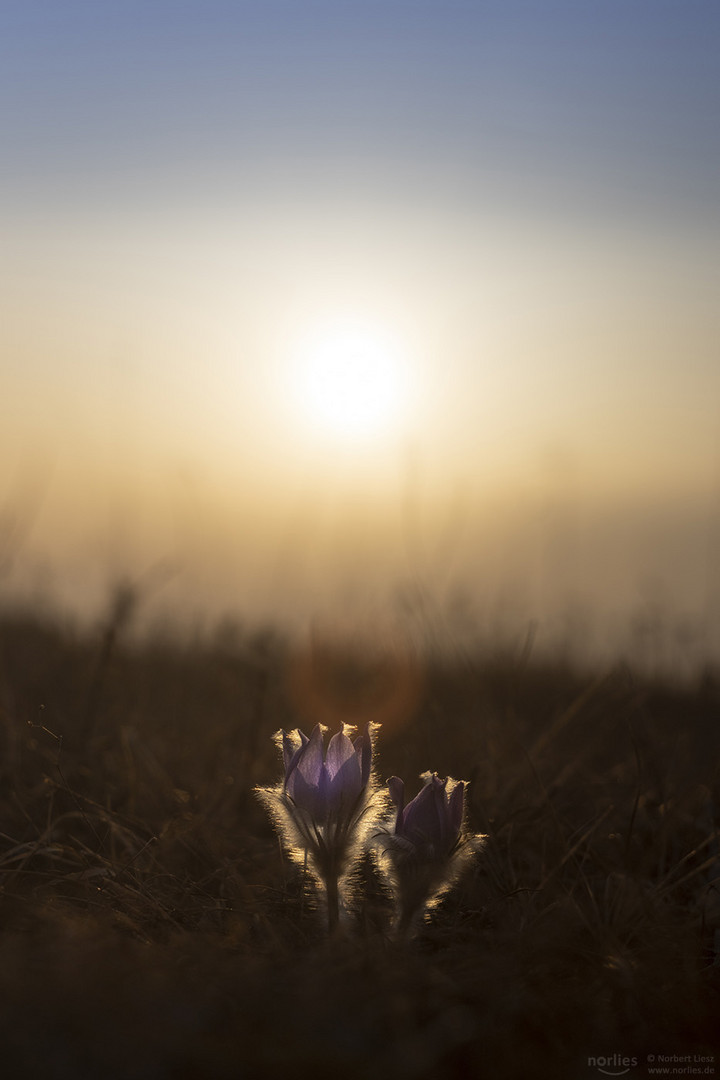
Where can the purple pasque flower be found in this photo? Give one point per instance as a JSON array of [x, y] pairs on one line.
[[423, 852], [326, 806], [432, 821], [326, 787]]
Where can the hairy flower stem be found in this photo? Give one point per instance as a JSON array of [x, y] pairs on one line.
[[333, 905], [329, 874]]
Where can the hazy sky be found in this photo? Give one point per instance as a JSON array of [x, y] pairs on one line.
[[520, 201]]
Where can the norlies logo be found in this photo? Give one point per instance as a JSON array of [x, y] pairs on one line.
[[614, 1065]]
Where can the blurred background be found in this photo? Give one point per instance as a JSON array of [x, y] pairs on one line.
[[374, 310]]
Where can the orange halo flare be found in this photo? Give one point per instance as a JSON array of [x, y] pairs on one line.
[[344, 676]]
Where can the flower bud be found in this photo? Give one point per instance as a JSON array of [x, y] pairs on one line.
[[432, 821], [426, 848]]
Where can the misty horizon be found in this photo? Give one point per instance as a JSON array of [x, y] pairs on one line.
[[588, 579]]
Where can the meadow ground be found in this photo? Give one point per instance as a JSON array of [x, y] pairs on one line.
[[150, 928]]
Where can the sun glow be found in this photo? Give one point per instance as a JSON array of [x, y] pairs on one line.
[[350, 382]]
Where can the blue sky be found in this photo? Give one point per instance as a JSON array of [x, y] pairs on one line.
[[613, 101]]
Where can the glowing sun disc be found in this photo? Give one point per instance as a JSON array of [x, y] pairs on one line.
[[351, 382]]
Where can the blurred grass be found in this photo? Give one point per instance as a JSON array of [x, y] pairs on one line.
[[149, 926]]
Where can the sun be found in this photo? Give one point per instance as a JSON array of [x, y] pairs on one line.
[[350, 381]]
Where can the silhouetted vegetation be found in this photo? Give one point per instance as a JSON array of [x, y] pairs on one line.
[[150, 927]]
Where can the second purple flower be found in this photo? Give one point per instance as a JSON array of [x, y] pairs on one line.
[[426, 848]]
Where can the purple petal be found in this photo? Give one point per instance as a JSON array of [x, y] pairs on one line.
[[346, 786], [340, 751], [292, 745], [417, 810], [303, 779], [310, 761], [425, 819], [445, 838], [323, 794]]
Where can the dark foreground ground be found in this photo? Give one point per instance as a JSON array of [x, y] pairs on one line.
[[149, 927]]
